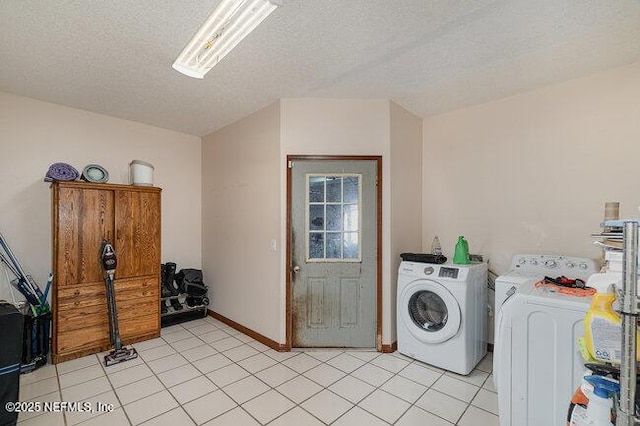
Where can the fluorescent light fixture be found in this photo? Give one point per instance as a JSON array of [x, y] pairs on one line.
[[229, 23]]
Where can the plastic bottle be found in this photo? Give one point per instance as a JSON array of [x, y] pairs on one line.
[[603, 328], [461, 253], [600, 402], [436, 248], [598, 406]]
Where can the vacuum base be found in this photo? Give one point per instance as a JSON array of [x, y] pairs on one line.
[[118, 356]]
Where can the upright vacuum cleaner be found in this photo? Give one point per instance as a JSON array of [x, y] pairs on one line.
[[119, 353]]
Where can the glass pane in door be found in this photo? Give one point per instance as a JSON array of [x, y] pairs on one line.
[[333, 217]]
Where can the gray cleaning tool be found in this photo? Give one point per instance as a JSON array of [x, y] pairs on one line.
[[23, 282], [119, 353]]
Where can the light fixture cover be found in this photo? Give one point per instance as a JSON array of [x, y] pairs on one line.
[[229, 23]]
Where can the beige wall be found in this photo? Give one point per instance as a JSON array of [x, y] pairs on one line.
[[35, 134], [406, 196], [342, 127], [244, 165], [241, 192], [531, 173]]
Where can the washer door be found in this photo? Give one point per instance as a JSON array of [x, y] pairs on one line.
[[430, 311]]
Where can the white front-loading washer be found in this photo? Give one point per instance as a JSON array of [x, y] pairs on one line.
[[442, 317]]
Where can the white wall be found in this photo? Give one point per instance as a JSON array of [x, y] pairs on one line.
[[241, 215], [35, 134], [342, 127], [244, 173], [531, 173], [406, 196]]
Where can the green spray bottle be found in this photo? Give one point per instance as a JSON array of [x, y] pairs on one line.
[[461, 253]]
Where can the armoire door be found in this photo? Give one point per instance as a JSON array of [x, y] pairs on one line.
[[79, 239], [137, 222]]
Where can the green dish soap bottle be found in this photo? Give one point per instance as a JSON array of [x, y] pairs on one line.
[[461, 253]]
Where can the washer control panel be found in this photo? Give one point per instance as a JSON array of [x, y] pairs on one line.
[[448, 272], [434, 271], [553, 265]]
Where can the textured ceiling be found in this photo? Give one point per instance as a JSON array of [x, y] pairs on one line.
[[114, 57]]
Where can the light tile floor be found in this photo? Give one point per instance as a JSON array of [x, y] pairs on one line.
[[204, 372]]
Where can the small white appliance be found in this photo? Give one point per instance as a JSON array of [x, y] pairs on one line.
[[536, 363], [141, 173], [442, 317]]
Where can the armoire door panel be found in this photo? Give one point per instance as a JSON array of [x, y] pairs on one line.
[[137, 233], [79, 239]]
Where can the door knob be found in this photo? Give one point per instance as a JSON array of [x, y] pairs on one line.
[[296, 269]]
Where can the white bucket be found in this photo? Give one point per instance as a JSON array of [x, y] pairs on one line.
[[141, 173]]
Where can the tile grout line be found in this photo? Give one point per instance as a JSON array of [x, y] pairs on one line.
[[382, 390], [181, 406], [113, 389], [281, 362], [165, 389]]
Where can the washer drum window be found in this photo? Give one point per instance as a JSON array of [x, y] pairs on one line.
[[428, 311]]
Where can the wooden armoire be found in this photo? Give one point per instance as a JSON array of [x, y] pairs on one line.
[[83, 215]]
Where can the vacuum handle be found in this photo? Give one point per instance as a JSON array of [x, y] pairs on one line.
[[108, 258]]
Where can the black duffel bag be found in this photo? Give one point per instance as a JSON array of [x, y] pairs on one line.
[[190, 282]]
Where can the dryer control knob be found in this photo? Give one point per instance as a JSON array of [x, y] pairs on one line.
[[550, 264], [428, 270], [570, 265], [533, 262], [522, 261], [583, 266]]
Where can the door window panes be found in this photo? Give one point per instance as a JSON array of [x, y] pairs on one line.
[[334, 189], [351, 189], [351, 217], [316, 189], [333, 217], [316, 245], [350, 248], [316, 217], [334, 243]]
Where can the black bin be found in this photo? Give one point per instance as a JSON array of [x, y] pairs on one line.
[[11, 326]]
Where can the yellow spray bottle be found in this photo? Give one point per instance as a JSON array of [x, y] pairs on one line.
[[603, 328]]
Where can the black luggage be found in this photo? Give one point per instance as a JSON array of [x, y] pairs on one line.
[[11, 324]]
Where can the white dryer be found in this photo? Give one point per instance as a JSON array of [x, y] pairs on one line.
[[442, 317]]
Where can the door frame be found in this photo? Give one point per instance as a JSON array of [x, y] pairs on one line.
[[288, 266]]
